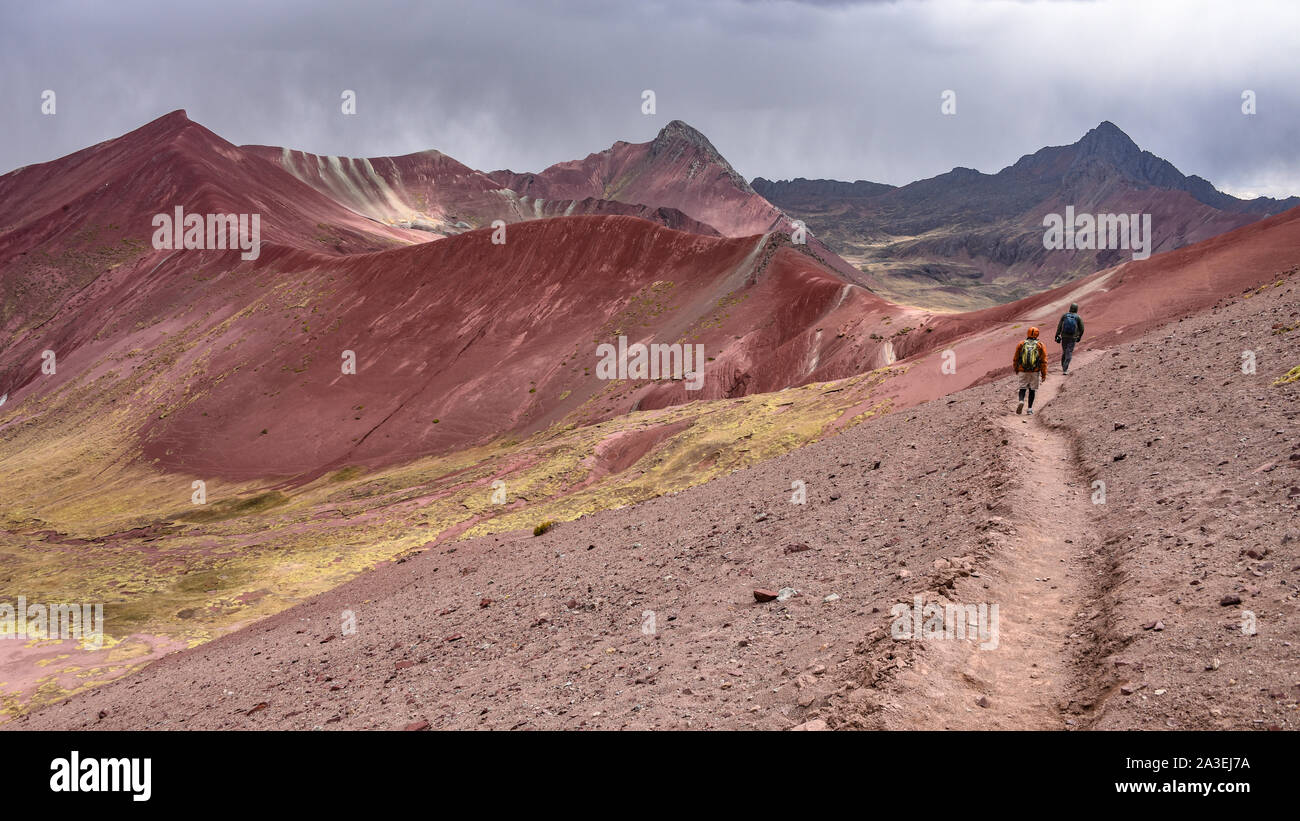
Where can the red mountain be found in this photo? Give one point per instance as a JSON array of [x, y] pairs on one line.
[[234, 365], [677, 179], [679, 169], [432, 192], [72, 222]]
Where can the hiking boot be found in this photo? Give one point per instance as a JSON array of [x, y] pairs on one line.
[[1030, 411], [1021, 406]]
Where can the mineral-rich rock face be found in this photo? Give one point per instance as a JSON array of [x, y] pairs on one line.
[[237, 365], [679, 169], [431, 192], [679, 179]]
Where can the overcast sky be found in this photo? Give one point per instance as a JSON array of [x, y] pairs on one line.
[[846, 90]]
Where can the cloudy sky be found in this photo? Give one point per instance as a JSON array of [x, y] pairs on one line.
[[847, 90]]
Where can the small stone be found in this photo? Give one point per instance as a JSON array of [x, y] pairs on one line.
[[786, 593], [832, 597], [983, 701], [415, 726], [1229, 600], [764, 595], [816, 725]]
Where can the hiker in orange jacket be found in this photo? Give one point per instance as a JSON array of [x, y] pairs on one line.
[[1030, 363]]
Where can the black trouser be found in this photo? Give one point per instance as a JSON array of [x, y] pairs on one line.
[[1067, 351], [1031, 397]]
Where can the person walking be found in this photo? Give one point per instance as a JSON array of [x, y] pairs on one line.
[[1069, 330], [1030, 363]]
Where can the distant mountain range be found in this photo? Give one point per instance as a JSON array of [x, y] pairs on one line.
[[236, 362], [959, 241], [965, 239]]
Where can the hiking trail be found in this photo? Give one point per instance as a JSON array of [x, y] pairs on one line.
[[1038, 574]]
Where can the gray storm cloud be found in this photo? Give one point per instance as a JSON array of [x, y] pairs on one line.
[[783, 89]]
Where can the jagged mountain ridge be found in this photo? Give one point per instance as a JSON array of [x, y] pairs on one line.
[[966, 239]]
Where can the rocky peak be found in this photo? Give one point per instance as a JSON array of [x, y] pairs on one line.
[[678, 136]]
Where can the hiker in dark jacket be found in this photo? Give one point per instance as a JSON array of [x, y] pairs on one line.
[[1030, 363], [1069, 330]]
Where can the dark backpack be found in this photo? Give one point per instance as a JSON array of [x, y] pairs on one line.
[[1069, 326], [1031, 355]]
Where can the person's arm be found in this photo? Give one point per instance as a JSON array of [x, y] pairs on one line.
[[1078, 335], [1060, 323], [1015, 358], [1042, 362]]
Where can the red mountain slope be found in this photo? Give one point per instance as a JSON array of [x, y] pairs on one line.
[[65, 223], [678, 180]]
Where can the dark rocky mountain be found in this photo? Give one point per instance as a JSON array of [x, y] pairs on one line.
[[965, 239]]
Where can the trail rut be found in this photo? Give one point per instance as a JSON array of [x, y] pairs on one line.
[[1038, 574]]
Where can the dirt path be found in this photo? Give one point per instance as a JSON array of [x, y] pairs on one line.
[[1038, 576]]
